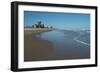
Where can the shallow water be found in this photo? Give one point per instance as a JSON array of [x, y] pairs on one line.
[[65, 44]]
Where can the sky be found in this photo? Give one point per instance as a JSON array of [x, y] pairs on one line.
[[58, 20]]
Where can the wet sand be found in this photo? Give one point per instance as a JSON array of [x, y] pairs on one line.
[[36, 49]]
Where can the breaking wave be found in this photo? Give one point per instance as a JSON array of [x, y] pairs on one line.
[[81, 42]]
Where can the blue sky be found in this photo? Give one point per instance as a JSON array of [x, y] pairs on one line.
[[58, 20]]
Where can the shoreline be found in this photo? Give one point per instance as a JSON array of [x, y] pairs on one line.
[[36, 30]]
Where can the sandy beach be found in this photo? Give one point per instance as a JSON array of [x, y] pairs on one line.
[[56, 36], [35, 48]]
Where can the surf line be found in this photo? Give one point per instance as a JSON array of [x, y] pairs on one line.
[[81, 42]]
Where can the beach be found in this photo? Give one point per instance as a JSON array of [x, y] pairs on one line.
[[47, 44], [35, 48]]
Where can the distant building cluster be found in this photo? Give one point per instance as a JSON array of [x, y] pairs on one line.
[[40, 25]]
